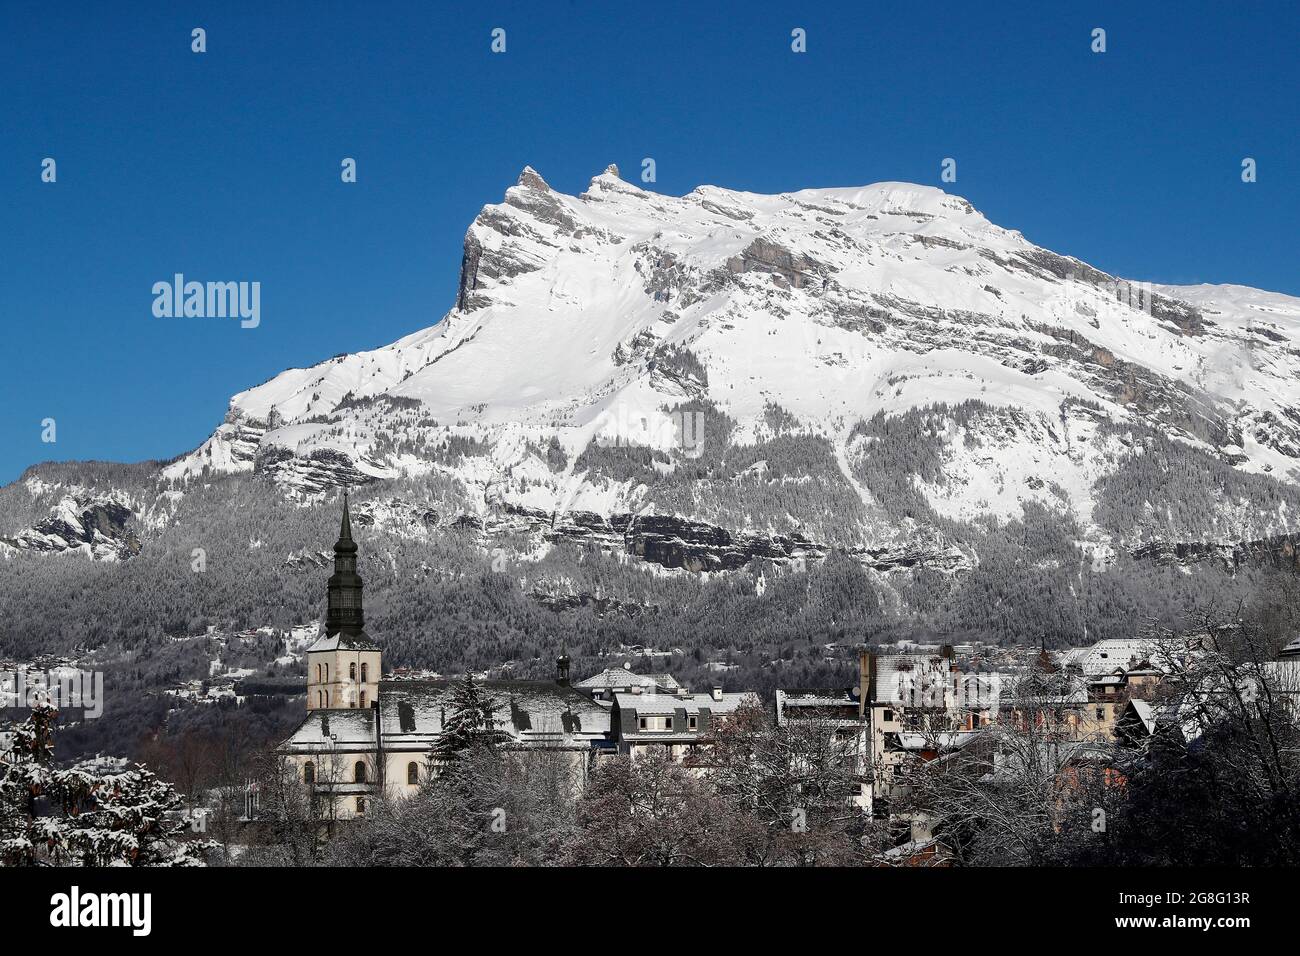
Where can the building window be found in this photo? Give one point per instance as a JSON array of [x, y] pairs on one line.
[[361, 805], [1101, 713], [359, 772], [352, 671], [364, 668], [309, 772], [412, 772], [363, 698], [692, 723]]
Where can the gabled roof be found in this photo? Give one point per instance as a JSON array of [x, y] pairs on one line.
[[1145, 712]]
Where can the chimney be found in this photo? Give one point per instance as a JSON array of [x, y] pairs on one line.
[[717, 692], [866, 681]]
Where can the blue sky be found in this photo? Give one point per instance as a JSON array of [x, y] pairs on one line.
[[225, 165]]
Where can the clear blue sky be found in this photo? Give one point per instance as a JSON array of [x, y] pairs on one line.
[[225, 165]]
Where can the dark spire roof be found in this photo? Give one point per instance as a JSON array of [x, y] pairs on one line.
[[345, 543], [345, 615]]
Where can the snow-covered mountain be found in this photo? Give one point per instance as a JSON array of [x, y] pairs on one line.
[[623, 317]]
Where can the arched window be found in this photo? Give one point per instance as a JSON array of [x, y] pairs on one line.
[[363, 673], [309, 772], [327, 674], [363, 698], [320, 679], [359, 772], [352, 671], [412, 772]]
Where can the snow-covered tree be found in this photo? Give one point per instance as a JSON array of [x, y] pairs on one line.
[[75, 817], [470, 722]]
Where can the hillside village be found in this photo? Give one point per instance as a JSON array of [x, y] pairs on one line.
[[372, 738]]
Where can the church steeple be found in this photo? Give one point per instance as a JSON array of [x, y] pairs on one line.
[[345, 612]]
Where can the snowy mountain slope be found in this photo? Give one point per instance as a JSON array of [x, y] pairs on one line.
[[783, 322]]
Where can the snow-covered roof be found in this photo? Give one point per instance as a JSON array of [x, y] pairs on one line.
[[615, 678], [947, 740], [1146, 713], [660, 704], [526, 711], [1105, 657], [412, 712], [913, 680], [334, 728], [342, 640], [838, 704]]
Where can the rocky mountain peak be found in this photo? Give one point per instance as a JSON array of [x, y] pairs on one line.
[[532, 179]]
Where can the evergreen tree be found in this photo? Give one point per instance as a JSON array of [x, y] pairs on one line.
[[469, 724], [78, 818]]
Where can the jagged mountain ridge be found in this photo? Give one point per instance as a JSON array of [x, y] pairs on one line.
[[584, 319]]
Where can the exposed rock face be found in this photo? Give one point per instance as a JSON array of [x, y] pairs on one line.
[[764, 255], [681, 543], [97, 528], [394, 512], [1279, 549], [469, 260], [322, 470]]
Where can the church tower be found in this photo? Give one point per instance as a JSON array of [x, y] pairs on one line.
[[343, 664]]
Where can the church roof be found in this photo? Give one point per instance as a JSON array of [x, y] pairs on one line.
[[527, 711], [359, 641], [341, 729]]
